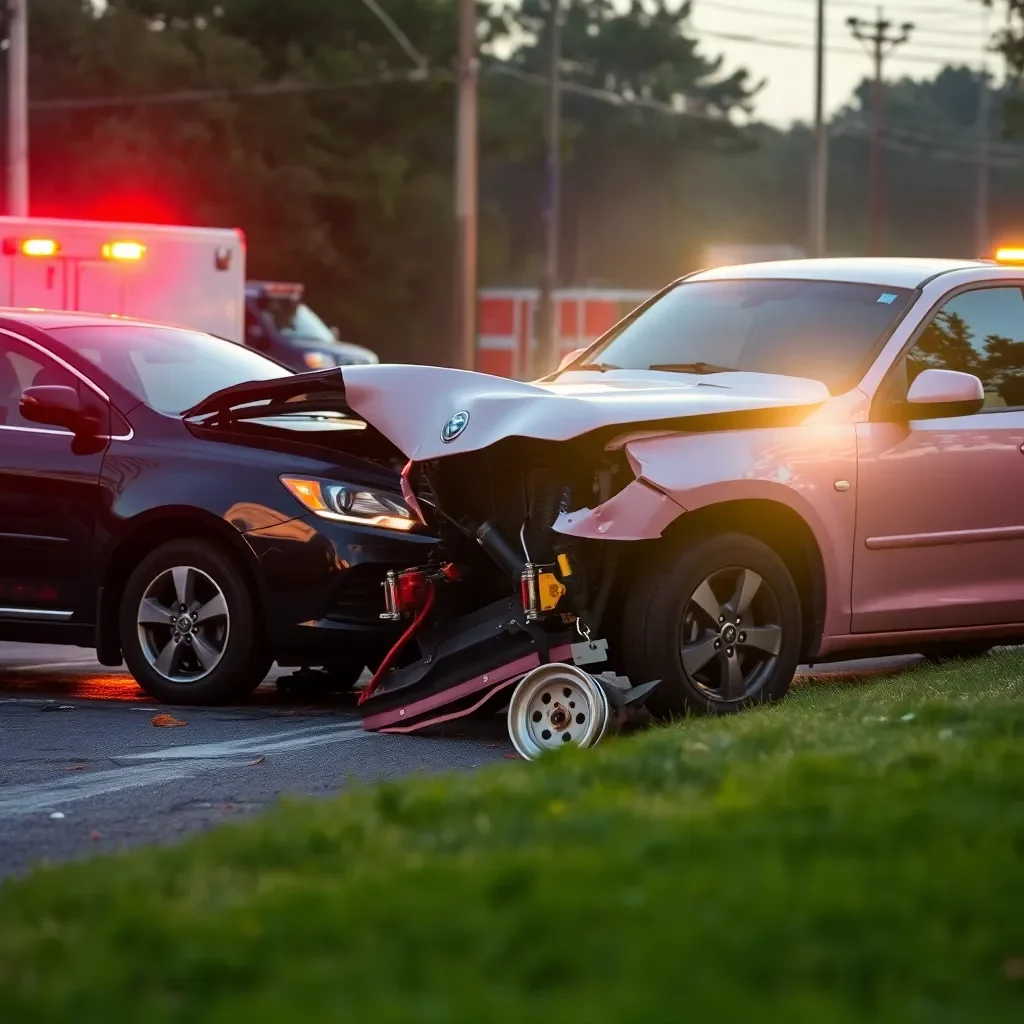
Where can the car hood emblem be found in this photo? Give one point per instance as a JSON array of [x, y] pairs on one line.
[[455, 426]]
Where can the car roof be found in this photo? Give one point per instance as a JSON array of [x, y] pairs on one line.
[[886, 271], [50, 319]]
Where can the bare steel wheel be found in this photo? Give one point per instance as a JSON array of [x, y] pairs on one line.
[[719, 622], [731, 634], [183, 624], [189, 625], [557, 706]]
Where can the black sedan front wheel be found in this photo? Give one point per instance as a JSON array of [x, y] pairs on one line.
[[719, 624], [188, 626]]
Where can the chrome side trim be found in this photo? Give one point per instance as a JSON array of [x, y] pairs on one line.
[[60, 362], [929, 540], [47, 614], [37, 430]]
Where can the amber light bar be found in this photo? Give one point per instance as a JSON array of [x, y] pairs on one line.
[[1010, 254], [123, 251], [39, 247]]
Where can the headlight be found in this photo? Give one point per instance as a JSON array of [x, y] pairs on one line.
[[349, 504], [319, 360]]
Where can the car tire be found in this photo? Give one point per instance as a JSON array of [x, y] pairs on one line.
[[964, 651], [680, 627], [189, 626]]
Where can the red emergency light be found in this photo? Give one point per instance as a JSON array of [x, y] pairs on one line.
[[123, 251]]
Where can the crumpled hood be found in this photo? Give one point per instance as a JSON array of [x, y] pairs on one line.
[[429, 412]]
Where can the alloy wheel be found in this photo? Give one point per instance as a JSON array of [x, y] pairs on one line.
[[731, 634], [183, 624]]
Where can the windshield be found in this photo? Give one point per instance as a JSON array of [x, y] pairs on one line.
[[295, 321], [170, 370], [822, 330]]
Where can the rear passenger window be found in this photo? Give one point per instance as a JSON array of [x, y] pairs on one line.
[[979, 332]]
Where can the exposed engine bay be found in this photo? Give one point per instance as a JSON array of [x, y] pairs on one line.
[[504, 593]]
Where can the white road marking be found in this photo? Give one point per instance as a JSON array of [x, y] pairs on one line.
[[272, 743], [167, 765]]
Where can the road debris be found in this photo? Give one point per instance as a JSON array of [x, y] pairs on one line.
[[94, 835], [167, 721], [57, 815], [259, 760]]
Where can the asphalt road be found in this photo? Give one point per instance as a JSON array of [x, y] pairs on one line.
[[84, 770]]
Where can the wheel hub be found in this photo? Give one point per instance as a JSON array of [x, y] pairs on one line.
[[184, 625], [729, 634], [559, 717]]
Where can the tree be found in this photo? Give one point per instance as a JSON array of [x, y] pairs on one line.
[[627, 209]]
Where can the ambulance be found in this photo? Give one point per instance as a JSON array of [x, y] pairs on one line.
[[185, 276]]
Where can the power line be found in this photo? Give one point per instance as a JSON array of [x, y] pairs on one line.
[[396, 33], [686, 106], [790, 44], [808, 19], [257, 90], [916, 9]]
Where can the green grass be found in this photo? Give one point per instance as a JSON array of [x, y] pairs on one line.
[[825, 860]]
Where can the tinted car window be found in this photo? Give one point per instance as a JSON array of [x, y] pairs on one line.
[[979, 332], [168, 369], [23, 367], [823, 330]]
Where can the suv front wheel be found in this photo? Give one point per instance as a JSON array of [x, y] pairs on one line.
[[188, 626], [719, 623]]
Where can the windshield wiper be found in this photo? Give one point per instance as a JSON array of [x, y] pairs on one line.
[[699, 368], [596, 367]]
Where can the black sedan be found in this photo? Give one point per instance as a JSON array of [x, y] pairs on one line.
[[144, 519]]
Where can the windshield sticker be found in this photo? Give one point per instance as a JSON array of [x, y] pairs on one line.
[[887, 298]]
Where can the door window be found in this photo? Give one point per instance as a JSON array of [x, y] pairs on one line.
[[23, 367], [979, 332]]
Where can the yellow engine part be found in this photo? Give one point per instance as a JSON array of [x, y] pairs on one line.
[[563, 566], [551, 591]]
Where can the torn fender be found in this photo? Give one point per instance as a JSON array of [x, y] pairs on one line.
[[637, 512]]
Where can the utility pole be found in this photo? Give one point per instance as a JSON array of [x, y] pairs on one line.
[[17, 108], [981, 242], [466, 187], [547, 336], [819, 153], [879, 41]]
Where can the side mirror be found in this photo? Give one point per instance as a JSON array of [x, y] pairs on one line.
[[54, 405], [573, 355], [939, 393]]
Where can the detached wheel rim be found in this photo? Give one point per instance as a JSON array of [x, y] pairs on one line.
[[731, 635], [183, 624], [557, 706]]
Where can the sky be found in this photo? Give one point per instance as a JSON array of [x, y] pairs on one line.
[[781, 46]]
